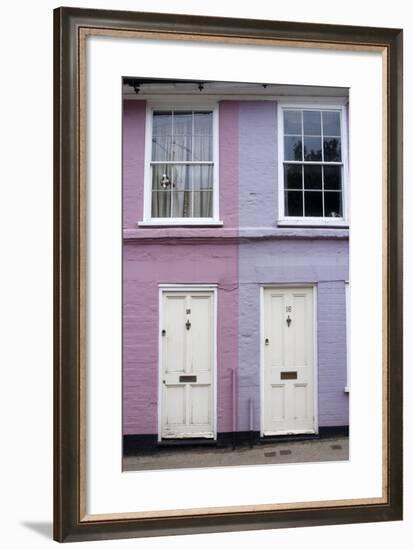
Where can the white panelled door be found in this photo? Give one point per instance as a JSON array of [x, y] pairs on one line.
[[288, 361], [187, 363]]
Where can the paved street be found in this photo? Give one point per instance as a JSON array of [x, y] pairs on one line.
[[269, 453]]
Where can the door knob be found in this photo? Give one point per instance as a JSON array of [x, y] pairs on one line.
[[288, 321], [188, 324]]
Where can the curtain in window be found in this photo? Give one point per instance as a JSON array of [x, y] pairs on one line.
[[182, 168]]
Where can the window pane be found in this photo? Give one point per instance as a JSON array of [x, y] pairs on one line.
[[181, 191], [332, 149], [331, 123], [182, 123], [202, 204], [202, 177], [182, 148], [332, 177], [161, 204], [293, 203], [313, 203], [161, 177], [312, 123], [202, 146], [181, 177], [312, 177], [293, 176], [203, 124], [293, 148], [162, 148], [162, 123], [181, 204], [292, 122], [162, 135], [171, 176], [312, 148], [333, 204]]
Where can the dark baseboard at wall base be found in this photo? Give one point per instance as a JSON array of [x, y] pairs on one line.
[[333, 431], [148, 443]]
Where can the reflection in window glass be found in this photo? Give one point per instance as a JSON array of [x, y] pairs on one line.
[[293, 149], [313, 168], [293, 123], [332, 177], [313, 203], [332, 149], [312, 148], [331, 123], [333, 204], [294, 203], [312, 123], [293, 176], [313, 177]]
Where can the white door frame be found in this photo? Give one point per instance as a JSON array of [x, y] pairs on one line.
[[165, 287], [263, 287]]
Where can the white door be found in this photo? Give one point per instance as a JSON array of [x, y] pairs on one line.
[[187, 364], [288, 361]]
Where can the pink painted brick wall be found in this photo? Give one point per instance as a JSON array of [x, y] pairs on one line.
[[145, 266], [150, 262], [134, 116], [229, 162]]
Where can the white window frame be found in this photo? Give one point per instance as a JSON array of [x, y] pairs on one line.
[[320, 104], [176, 105]]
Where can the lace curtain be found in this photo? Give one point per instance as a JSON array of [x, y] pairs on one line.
[[182, 164]]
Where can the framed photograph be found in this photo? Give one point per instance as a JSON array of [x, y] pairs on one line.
[[228, 274]]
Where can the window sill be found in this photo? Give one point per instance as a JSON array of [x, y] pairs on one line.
[[180, 223], [312, 222]]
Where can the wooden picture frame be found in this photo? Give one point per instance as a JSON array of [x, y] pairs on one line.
[[71, 27]]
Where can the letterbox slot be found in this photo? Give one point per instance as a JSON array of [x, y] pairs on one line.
[[290, 375], [187, 378]]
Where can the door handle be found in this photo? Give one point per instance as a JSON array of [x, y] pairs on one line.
[[288, 321], [267, 341], [188, 324]]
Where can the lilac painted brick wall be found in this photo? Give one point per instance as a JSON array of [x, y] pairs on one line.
[[258, 164], [324, 263], [284, 260], [332, 354]]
